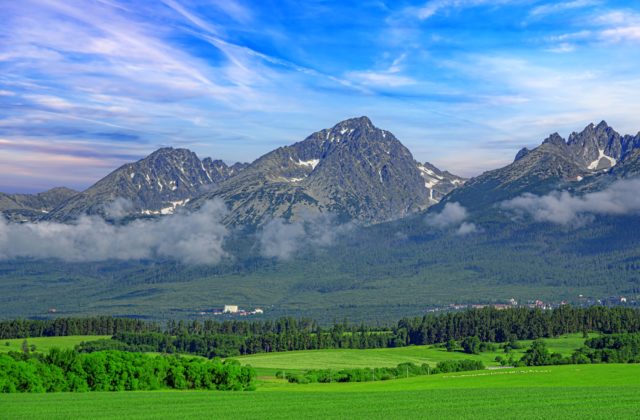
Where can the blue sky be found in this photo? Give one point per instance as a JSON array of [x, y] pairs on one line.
[[88, 85]]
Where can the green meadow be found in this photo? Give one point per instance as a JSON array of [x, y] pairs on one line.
[[570, 392], [269, 363], [44, 344]]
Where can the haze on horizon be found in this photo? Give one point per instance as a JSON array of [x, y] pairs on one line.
[[88, 85]]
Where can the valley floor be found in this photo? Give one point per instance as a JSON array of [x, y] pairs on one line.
[[570, 392]]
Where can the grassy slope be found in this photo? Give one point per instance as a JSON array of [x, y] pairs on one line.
[[590, 391], [268, 363], [43, 344]]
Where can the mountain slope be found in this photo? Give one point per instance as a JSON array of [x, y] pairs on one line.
[[26, 207], [156, 184], [353, 170]]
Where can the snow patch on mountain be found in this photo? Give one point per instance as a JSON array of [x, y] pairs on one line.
[[602, 162], [311, 162]]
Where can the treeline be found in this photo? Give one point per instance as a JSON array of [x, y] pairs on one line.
[[492, 325], [231, 338], [616, 348], [101, 325], [229, 345], [403, 370], [612, 348], [70, 371]]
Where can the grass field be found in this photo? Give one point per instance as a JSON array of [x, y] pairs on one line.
[[43, 344], [269, 363], [570, 392]]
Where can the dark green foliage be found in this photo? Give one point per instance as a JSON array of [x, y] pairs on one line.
[[492, 325], [102, 325], [403, 370], [451, 345], [70, 371], [538, 355], [616, 348], [612, 348], [448, 366], [231, 338], [471, 345]]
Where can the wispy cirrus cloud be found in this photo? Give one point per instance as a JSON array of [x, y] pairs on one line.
[[433, 7], [561, 6], [236, 79], [389, 77]]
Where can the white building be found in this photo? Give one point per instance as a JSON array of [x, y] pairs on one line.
[[230, 309]]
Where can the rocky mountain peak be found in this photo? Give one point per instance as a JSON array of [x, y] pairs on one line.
[[359, 122], [555, 139], [353, 170], [353, 130], [521, 153], [597, 147], [157, 184]]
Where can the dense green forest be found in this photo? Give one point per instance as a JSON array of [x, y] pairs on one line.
[[68, 370], [101, 325], [374, 274]]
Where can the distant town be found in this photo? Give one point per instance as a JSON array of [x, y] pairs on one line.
[[232, 310], [581, 301]]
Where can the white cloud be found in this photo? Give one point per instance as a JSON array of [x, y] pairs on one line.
[[564, 47], [192, 238], [433, 7], [562, 6], [452, 216], [50, 101], [612, 27], [563, 208], [615, 35], [389, 77], [467, 228], [282, 239], [380, 79]]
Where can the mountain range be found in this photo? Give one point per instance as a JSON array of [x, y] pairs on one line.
[[354, 170], [558, 223], [595, 156]]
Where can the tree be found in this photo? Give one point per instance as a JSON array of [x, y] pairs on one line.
[[471, 345], [450, 346], [537, 354]]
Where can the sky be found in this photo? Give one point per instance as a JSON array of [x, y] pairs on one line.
[[86, 86]]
